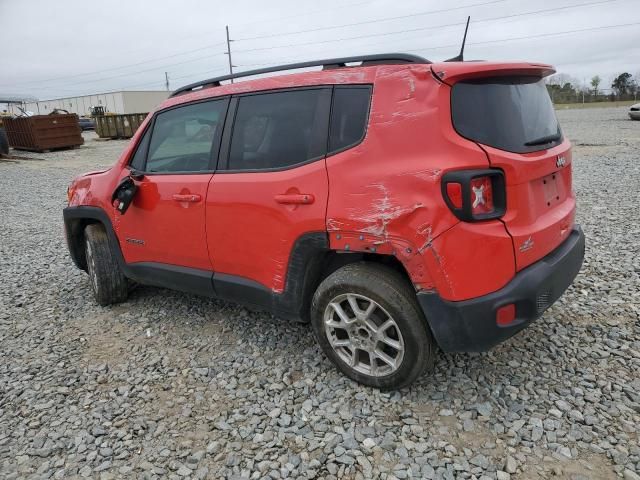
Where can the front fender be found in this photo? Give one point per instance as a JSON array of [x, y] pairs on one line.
[[76, 218]]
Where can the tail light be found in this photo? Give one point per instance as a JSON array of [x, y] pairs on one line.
[[475, 195], [454, 194], [70, 191]]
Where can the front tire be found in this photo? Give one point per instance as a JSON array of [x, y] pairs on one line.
[[367, 321], [107, 281]]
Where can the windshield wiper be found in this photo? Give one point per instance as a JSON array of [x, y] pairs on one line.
[[542, 140]]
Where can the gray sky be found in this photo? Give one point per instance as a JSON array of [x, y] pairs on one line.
[[72, 47]]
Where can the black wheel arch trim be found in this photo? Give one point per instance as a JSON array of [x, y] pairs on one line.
[[75, 219]]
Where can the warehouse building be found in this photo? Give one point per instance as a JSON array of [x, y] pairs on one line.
[[113, 102]]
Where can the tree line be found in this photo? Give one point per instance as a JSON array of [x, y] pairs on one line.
[[566, 89]]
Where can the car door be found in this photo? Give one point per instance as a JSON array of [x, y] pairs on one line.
[[172, 167], [271, 184]]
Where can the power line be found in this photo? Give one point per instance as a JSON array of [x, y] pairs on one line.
[[388, 19], [135, 85], [96, 72], [200, 73], [436, 47], [301, 44], [426, 28], [566, 32], [275, 19], [304, 14], [485, 42], [159, 67], [159, 82], [187, 52], [499, 40], [541, 35]]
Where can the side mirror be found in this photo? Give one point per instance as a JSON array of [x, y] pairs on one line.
[[136, 174], [123, 194]]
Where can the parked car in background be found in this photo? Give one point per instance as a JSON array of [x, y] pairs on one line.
[[86, 123], [634, 112], [369, 200]]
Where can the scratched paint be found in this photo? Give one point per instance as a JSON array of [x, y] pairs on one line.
[[385, 193], [426, 231], [430, 174], [380, 213], [280, 266]]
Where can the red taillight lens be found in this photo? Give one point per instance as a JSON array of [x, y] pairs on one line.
[[454, 192], [475, 195], [481, 195], [505, 315]]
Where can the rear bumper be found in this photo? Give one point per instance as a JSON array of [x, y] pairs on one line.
[[470, 325]]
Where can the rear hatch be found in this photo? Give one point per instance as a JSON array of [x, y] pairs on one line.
[[510, 116]]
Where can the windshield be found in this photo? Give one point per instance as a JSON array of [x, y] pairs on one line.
[[509, 113]]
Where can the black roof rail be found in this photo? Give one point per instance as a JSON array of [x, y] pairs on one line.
[[378, 59]]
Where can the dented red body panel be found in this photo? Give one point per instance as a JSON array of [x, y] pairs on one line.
[[387, 189], [382, 196], [249, 233]]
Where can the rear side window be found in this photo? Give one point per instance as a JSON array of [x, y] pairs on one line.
[[349, 116], [509, 113], [279, 129], [183, 138]]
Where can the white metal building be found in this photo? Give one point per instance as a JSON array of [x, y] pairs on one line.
[[113, 102]]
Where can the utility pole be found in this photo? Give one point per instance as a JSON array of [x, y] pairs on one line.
[[228, 52], [166, 80]]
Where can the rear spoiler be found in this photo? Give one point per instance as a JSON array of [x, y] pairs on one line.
[[450, 73]]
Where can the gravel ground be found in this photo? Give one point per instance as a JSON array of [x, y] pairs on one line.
[[172, 385]]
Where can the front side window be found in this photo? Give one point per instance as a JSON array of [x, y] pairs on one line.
[[184, 138], [279, 129], [140, 156]]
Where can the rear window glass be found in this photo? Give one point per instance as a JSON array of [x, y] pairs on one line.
[[508, 113]]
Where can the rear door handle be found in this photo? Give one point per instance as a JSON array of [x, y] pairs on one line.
[[188, 197], [295, 198]]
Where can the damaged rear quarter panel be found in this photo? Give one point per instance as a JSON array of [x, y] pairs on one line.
[[385, 192], [473, 259]]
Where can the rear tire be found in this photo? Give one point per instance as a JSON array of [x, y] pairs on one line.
[[107, 281], [367, 320]]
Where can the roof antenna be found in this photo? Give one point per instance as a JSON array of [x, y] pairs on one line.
[[460, 56]]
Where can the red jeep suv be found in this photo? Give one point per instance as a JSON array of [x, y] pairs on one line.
[[398, 205]]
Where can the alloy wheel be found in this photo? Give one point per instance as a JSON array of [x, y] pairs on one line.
[[364, 335]]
